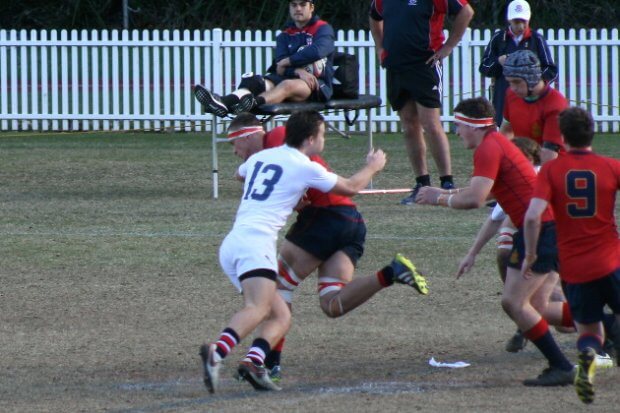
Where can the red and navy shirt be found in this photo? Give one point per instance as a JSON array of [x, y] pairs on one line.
[[274, 138], [581, 188], [412, 29], [499, 159]]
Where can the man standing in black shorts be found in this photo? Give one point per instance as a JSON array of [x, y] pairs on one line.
[[409, 40]]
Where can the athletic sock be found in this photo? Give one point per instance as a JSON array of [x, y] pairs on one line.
[[257, 352], [227, 341], [260, 100], [386, 276], [424, 180], [567, 317], [543, 340], [230, 100], [590, 340], [274, 356]]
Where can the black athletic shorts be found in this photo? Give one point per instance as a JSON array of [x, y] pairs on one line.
[[587, 300], [547, 250], [327, 230], [421, 83]]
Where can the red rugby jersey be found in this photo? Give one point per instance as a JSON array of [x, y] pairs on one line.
[[581, 189], [499, 159], [538, 119]]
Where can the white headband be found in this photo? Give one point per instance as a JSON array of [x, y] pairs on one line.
[[473, 122], [244, 131]]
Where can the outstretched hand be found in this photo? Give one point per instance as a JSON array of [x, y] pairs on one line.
[[465, 265], [428, 195]]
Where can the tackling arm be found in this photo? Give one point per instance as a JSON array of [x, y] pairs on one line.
[[375, 161]]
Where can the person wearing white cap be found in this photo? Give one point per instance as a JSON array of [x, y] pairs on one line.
[[516, 36]]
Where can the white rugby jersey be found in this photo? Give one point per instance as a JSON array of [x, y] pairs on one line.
[[275, 180]]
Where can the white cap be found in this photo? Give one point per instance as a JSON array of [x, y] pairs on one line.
[[519, 9]]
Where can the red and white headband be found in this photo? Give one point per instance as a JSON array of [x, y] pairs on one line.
[[473, 122], [244, 131]]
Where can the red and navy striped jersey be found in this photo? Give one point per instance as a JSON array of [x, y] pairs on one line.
[[412, 29]]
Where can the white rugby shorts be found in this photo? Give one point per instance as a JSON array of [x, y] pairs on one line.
[[246, 250]]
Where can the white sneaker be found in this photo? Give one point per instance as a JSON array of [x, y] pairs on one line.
[[211, 362]]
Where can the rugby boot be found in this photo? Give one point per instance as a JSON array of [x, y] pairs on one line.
[[406, 273], [211, 363], [516, 343], [552, 376], [584, 379], [257, 376]]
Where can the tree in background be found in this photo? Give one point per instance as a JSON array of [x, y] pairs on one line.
[[270, 14]]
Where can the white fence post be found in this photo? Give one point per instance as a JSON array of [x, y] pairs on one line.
[[100, 80]]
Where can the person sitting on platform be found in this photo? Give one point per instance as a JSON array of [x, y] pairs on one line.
[[302, 70]]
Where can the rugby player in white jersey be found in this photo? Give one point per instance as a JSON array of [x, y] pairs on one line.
[[275, 180]]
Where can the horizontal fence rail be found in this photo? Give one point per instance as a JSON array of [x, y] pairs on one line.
[[142, 80]]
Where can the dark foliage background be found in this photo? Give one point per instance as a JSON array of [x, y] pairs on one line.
[[270, 14]]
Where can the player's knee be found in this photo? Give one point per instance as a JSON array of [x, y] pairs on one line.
[[287, 280], [254, 83], [329, 294], [283, 318], [504, 238]]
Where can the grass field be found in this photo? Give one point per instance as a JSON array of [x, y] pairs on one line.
[[110, 282]]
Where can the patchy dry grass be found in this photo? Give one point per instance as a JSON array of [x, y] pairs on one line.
[[110, 281]]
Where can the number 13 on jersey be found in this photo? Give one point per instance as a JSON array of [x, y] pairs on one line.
[[262, 181]]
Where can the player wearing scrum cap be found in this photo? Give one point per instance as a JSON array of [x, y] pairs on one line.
[[532, 107], [502, 171], [328, 236], [306, 39], [516, 36]]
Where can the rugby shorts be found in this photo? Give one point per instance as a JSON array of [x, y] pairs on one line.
[[244, 250], [323, 231], [421, 83], [547, 251], [588, 299]]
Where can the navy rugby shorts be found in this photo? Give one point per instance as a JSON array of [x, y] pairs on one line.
[[588, 299], [325, 231], [547, 250]]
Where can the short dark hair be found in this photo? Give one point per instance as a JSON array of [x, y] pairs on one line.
[[476, 108], [243, 119], [300, 126], [577, 127]]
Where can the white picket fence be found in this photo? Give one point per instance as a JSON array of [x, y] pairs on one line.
[[142, 80]]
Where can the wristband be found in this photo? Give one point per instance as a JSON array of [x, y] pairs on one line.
[[450, 201]]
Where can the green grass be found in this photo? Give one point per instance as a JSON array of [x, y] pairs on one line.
[[110, 281]]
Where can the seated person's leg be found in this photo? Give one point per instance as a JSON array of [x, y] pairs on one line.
[[294, 90]]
